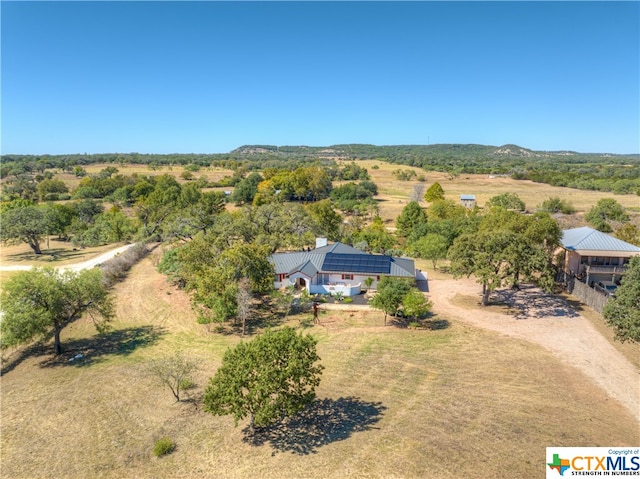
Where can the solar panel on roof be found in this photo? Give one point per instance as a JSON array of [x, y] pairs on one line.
[[357, 263]]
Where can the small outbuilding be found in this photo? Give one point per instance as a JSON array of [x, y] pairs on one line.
[[468, 201]]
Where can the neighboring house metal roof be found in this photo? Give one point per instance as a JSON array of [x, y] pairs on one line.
[[588, 239], [339, 257], [468, 197]]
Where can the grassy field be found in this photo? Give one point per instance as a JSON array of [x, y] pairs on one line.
[[394, 193], [210, 173], [455, 402]]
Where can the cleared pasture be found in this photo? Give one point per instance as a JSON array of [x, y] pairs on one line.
[[394, 193], [448, 402]]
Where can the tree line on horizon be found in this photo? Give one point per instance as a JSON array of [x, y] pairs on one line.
[[619, 174]]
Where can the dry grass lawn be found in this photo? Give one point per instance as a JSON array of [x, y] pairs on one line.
[[394, 193], [210, 173], [456, 402]]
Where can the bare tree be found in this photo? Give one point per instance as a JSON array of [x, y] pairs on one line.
[[173, 371], [244, 298], [418, 193]]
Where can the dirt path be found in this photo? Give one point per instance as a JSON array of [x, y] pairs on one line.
[[90, 263], [551, 323]]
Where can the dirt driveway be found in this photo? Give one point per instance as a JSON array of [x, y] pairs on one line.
[[75, 266], [552, 323]]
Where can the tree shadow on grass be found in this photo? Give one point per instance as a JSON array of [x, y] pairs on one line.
[[95, 349], [51, 255], [429, 321], [323, 422], [531, 302]]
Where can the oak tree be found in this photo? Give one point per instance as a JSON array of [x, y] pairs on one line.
[[41, 302], [266, 379]]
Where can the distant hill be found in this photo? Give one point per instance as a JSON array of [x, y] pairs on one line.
[[451, 151]]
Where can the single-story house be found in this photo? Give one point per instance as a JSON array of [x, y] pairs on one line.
[[336, 268], [594, 256], [468, 201]]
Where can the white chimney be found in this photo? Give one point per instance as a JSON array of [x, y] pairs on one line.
[[320, 242]]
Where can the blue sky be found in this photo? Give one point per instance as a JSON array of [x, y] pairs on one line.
[[207, 77]]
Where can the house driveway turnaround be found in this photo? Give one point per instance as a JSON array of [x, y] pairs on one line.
[[550, 322]]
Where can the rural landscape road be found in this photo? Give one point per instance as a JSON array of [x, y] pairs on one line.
[[75, 266]]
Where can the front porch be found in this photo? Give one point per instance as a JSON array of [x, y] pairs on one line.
[[345, 289]]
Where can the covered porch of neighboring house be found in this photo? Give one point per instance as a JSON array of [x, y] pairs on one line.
[[591, 256], [592, 268]]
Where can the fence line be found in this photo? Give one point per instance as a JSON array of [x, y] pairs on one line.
[[587, 295]]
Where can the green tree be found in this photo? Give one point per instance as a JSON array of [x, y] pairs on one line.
[[266, 379], [604, 212], [411, 216], [431, 246], [508, 201], [26, 224], [622, 312], [115, 226], [154, 209], [42, 301], [415, 305], [434, 193], [629, 232], [326, 221], [484, 255], [376, 236], [245, 261], [246, 189], [390, 293], [498, 257], [51, 189], [557, 205], [59, 218], [79, 171], [445, 210]]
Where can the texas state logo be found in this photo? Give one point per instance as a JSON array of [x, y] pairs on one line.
[[592, 461]]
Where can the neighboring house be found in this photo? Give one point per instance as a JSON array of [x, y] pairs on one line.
[[336, 268], [468, 201], [594, 256]]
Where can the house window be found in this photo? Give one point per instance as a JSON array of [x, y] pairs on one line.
[[347, 276]]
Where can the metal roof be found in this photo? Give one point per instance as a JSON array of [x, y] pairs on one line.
[[339, 248], [588, 239], [340, 257], [467, 197]]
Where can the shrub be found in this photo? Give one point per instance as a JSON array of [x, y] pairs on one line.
[[115, 269], [187, 383], [347, 300], [163, 446]]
